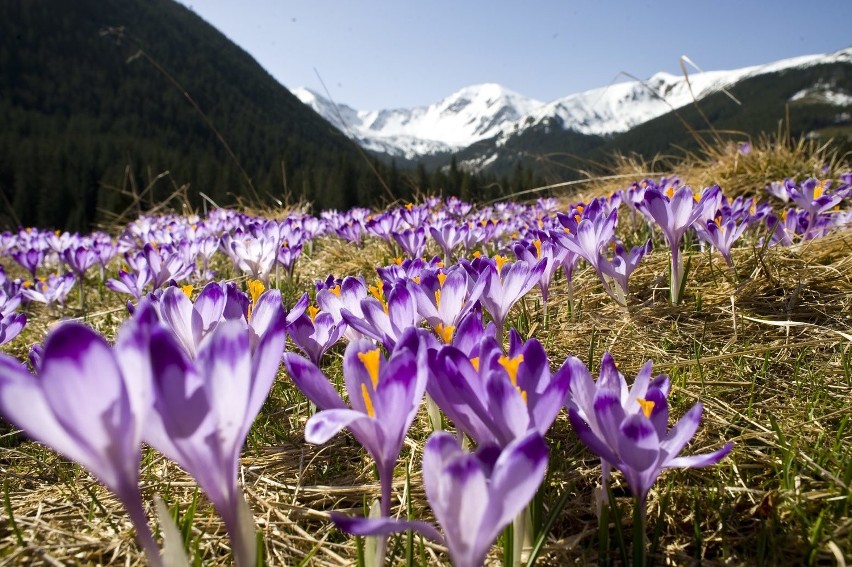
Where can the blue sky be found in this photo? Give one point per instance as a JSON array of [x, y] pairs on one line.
[[403, 53]]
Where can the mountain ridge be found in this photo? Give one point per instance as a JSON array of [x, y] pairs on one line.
[[604, 111]]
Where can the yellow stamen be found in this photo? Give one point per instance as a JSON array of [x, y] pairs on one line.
[[578, 218], [499, 260], [475, 363], [523, 394], [647, 407], [477, 253], [255, 288], [409, 206], [378, 290], [312, 312], [370, 360], [820, 189], [398, 260], [696, 197], [416, 279], [445, 333], [439, 264], [438, 298], [57, 232], [441, 279], [580, 209], [27, 284], [567, 230], [670, 192], [187, 289], [368, 403], [537, 244], [718, 220], [511, 365], [335, 290]]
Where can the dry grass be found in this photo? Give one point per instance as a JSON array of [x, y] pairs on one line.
[[767, 352]]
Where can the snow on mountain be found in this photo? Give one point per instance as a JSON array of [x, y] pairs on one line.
[[621, 106], [483, 111], [471, 114]]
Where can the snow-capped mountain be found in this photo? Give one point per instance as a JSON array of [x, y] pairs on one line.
[[486, 111], [471, 114]]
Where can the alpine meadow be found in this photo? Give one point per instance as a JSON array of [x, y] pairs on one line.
[[246, 326]]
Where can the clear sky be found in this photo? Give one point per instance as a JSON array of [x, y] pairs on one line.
[[403, 53]]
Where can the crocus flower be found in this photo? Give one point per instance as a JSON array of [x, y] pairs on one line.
[[165, 264], [721, 234], [619, 269], [542, 247], [52, 289], [79, 259], [382, 319], [253, 255], [191, 322], [674, 217], [30, 259], [89, 402], [384, 394], [315, 332], [412, 241], [495, 397], [345, 295], [11, 326], [203, 409], [628, 428], [443, 299], [448, 235], [505, 284], [473, 495], [131, 282]]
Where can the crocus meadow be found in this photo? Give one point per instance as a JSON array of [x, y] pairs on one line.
[[216, 313]]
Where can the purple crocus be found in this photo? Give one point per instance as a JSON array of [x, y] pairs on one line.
[[721, 234], [191, 322], [385, 395], [495, 397], [11, 326], [382, 319], [674, 216], [203, 408], [131, 282], [412, 241], [50, 290], [315, 332], [443, 299], [29, 258], [628, 428], [505, 284], [79, 259], [89, 402], [449, 235], [473, 495], [345, 295], [814, 197], [542, 247], [619, 269]]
